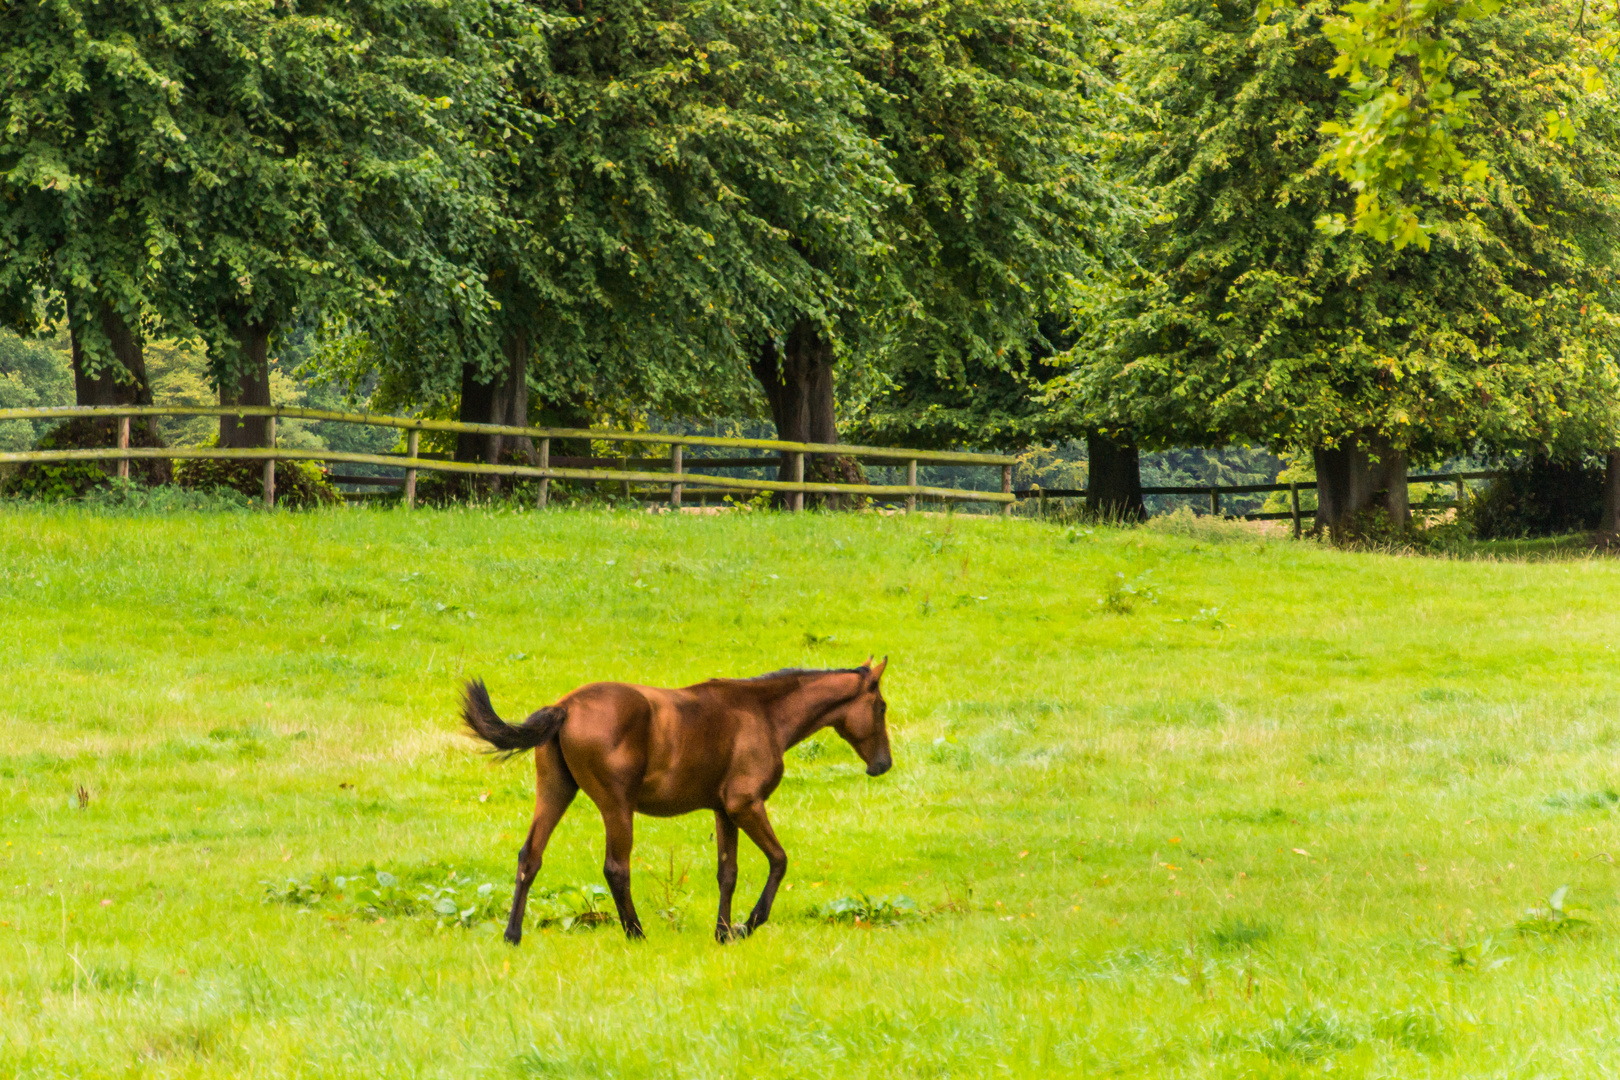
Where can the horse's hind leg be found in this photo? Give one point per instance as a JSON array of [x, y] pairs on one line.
[[619, 823], [554, 790]]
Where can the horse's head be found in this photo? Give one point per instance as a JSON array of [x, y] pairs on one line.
[[862, 721]]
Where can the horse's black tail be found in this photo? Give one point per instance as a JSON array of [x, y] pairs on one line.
[[505, 739]]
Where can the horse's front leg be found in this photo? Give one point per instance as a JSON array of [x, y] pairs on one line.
[[725, 836], [750, 816], [619, 823]]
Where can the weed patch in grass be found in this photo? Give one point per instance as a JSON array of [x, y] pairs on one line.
[[1607, 799], [863, 910], [1232, 934], [1121, 596], [1306, 1036], [1553, 919]]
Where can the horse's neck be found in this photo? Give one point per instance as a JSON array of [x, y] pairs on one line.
[[804, 711]]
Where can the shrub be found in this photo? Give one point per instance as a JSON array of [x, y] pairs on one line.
[[298, 483], [54, 480], [1183, 522], [1540, 498]]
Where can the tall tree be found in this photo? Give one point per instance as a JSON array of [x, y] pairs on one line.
[[690, 176], [82, 107], [992, 117], [210, 166], [1250, 321]]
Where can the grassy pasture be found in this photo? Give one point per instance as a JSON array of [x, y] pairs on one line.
[[1287, 837]]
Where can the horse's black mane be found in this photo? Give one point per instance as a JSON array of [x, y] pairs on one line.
[[788, 672]]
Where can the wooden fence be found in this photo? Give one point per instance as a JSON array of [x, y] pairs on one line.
[[675, 472], [1459, 479]]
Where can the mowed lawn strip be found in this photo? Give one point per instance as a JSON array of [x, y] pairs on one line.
[[1287, 813]]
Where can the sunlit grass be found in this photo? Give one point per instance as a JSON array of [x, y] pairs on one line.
[[1283, 819]]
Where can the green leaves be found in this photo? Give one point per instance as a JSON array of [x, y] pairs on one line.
[[207, 165], [1402, 132], [1475, 309]]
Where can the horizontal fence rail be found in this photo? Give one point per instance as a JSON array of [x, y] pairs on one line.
[[1215, 491], [673, 472]]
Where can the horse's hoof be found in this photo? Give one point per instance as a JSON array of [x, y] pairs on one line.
[[513, 937], [634, 933]]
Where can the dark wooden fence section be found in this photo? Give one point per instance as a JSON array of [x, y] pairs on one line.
[[1459, 479], [675, 474]]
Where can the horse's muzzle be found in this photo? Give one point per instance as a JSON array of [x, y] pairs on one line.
[[879, 766]]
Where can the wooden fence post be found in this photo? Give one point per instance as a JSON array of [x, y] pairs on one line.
[[412, 441], [624, 466], [545, 481], [123, 444], [1215, 502], [1006, 489], [270, 467], [911, 481], [1293, 504], [797, 502], [1462, 491], [675, 467]]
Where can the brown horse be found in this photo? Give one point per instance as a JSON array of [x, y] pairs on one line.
[[714, 746]]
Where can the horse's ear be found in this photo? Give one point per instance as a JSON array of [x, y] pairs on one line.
[[877, 672]]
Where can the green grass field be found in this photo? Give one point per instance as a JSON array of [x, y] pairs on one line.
[[1285, 821]]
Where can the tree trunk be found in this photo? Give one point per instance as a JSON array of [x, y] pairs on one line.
[[478, 394], [120, 381], [1609, 524], [1113, 478], [785, 393], [1360, 475], [799, 386], [248, 384], [512, 401]]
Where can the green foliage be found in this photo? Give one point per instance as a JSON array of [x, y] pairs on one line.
[[299, 484], [1120, 596], [572, 906], [179, 373], [207, 166], [52, 481], [863, 910], [1306, 1036], [1469, 952], [1203, 527], [33, 375], [1540, 497], [1238, 933], [1000, 119], [1397, 57], [380, 894], [1554, 919], [125, 495], [659, 148], [1248, 322], [1210, 617]]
